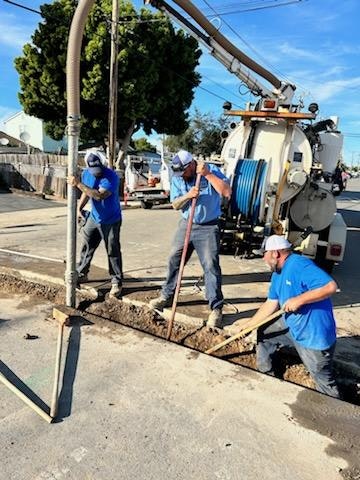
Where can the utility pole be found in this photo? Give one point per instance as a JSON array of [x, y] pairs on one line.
[[113, 87]]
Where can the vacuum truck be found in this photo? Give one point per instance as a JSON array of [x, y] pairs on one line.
[[280, 161]]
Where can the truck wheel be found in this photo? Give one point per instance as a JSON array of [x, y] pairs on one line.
[[323, 262], [146, 205]]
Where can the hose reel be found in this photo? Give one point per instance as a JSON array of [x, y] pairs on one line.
[[248, 188]]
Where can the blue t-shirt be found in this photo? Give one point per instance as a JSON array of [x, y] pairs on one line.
[[313, 326], [108, 210], [208, 205]]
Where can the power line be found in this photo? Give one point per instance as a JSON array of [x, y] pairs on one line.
[[222, 87], [266, 62], [192, 83], [244, 41], [252, 9], [22, 6], [107, 20]]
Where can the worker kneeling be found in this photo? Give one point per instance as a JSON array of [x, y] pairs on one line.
[[308, 323], [204, 239]]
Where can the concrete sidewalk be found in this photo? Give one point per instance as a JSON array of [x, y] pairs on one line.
[[136, 407]]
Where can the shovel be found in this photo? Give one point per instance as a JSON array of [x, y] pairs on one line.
[[250, 326]]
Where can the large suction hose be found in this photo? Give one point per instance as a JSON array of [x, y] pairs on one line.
[[73, 131]]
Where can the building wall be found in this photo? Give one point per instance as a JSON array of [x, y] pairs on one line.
[[31, 130]]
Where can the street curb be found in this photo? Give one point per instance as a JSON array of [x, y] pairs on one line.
[[57, 281], [32, 276]]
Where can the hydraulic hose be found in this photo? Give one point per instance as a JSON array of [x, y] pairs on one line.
[[247, 188]]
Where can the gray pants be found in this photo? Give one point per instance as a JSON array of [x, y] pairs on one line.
[[92, 234], [319, 363]]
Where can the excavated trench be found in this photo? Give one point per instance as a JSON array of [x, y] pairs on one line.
[[287, 365]]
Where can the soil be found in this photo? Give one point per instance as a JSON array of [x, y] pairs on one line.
[[287, 364]]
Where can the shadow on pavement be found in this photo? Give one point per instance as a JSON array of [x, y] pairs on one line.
[[71, 362], [20, 385]]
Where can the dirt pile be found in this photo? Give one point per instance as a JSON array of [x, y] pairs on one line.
[[287, 365]]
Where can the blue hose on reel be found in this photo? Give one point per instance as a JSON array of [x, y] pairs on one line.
[[247, 188]]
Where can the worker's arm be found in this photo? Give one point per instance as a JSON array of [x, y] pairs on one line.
[[179, 202], [100, 194], [222, 187], [267, 308], [311, 296], [83, 201]]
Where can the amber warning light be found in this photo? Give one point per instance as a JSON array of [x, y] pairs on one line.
[[269, 105]]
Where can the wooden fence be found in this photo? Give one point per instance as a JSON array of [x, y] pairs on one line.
[[37, 172]]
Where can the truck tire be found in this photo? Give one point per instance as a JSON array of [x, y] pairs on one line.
[[146, 205]]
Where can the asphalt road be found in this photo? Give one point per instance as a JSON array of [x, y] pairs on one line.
[[10, 202], [347, 273]]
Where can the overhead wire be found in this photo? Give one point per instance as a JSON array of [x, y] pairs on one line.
[[261, 57], [108, 20], [245, 42], [22, 6], [231, 12]]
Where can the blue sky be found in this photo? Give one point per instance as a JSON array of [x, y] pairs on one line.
[[313, 43]]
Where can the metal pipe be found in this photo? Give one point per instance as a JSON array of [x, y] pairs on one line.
[[73, 131], [38, 257], [183, 258]]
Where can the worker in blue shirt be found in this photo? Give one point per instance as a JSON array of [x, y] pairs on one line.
[[205, 229], [303, 291], [100, 185]]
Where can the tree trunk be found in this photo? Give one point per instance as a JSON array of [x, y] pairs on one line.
[[120, 165]]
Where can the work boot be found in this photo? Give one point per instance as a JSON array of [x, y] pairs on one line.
[[159, 303], [115, 290], [215, 318]]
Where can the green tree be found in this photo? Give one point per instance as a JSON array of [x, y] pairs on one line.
[[142, 144], [156, 71], [185, 140], [203, 136]]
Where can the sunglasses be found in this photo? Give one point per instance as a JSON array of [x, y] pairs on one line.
[[179, 167]]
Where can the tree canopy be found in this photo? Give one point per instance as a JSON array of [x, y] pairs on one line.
[[203, 136], [143, 144], [157, 74]]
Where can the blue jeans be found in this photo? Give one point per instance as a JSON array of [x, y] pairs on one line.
[[92, 234], [205, 240], [319, 363]]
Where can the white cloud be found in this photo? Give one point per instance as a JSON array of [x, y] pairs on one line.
[[13, 34], [297, 53], [326, 90]]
